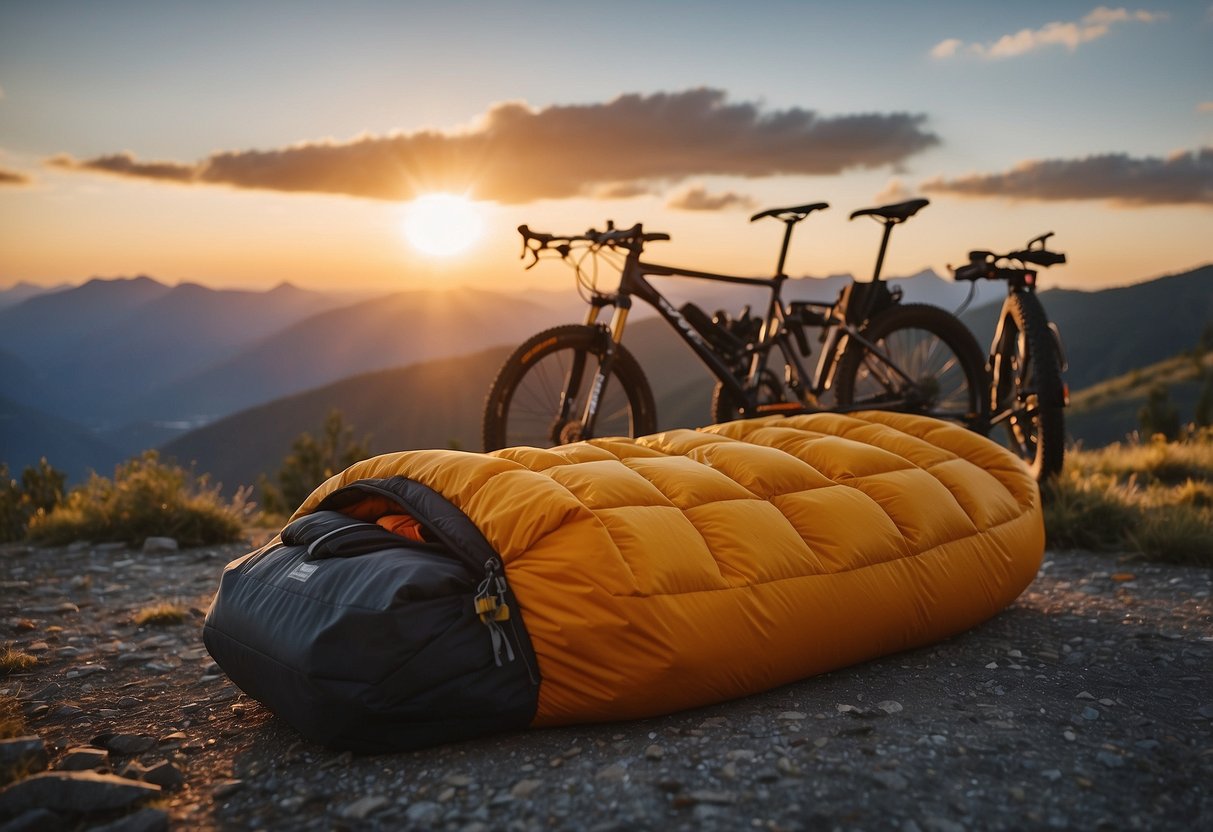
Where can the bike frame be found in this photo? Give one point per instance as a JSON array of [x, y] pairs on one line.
[[633, 283]]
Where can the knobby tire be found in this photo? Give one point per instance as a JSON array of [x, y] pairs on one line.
[[935, 349], [524, 403]]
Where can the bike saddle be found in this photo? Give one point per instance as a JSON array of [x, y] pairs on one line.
[[796, 213], [897, 212]]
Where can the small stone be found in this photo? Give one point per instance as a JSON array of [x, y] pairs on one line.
[[227, 788], [156, 545], [1069, 735], [130, 743], [1051, 774], [654, 752], [613, 773], [80, 792], [459, 781], [523, 789], [1090, 714], [889, 706], [891, 780], [425, 813], [793, 715], [84, 758], [165, 775], [128, 702], [1110, 759], [21, 755], [1084, 695], [145, 820], [364, 807]]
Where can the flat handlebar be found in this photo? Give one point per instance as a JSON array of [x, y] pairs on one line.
[[985, 265], [633, 239]]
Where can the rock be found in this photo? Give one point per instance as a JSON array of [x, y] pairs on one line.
[[891, 780], [36, 820], [145, 820], [889, 706], [715, 798], [227, 788], [156, 545], [613, 773], [84, 758], [130, 743], [425, 813], [21, 756], [654, 752], [79, 792], [364, 807], [523, 789]]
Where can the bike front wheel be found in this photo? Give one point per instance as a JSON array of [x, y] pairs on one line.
[[539, 396], [1028, 393], [925, 361]]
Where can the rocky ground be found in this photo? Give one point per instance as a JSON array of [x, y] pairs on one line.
[[1086, 705]]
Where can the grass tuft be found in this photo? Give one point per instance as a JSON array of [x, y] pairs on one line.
[[15, 661], [1155, 498], [160, 615]]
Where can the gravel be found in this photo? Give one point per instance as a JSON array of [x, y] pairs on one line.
[[1088, 704]]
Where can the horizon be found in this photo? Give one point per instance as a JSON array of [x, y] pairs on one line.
[[287, 142]]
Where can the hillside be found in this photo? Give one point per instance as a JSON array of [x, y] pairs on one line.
[[1113, 331], [27, 434], [97, 347], [1108, 411], [391, 331]]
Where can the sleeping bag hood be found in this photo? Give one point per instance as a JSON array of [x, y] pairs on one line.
[[427, 596]]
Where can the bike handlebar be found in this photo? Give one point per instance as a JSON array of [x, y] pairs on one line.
[[984, 265], [633, 239]]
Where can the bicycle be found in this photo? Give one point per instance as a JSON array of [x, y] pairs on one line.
[[1026, 364], [576, 382]]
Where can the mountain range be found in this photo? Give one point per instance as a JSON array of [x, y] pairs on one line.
[[93, 374]]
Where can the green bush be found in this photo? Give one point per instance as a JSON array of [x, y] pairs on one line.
[[146, 498], [38, 493], [311, 462]]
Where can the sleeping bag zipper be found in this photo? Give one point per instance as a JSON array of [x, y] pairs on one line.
[[490, 601]]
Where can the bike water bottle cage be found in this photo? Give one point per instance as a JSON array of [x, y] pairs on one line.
[[897, 212]]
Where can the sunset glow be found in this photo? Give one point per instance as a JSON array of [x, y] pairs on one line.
[[442, 225], [1012, 118]]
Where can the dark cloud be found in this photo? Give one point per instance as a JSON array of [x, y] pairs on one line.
[[11, 177], [698, 199], [517, 154], [1181, 179]]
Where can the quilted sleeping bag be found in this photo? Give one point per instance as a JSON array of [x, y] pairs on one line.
[[425, 596]]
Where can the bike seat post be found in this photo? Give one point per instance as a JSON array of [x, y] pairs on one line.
[[783, 251], [884, 246]]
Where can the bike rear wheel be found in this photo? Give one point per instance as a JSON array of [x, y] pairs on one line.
[[942, 368], [1028, 394], [540, 393]]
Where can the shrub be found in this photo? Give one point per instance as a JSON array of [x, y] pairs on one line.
[[146, 498], [14, 661], [311, 462], [1158, 415], [38, 493]]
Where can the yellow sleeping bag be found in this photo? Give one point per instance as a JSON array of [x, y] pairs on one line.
[[689, 567]]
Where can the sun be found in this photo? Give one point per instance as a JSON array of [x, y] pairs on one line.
[[442, 225]]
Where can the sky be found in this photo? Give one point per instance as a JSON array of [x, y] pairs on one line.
[[242, 144]]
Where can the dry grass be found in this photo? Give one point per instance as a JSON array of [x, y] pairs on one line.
[[1155, 498], [15, 661], [160, 615]]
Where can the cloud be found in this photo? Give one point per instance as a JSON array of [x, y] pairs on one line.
[[1205, 107], [11, 177], [698, 199], [518, 154], [895, 190], [1071, 35], [1183, 178]]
